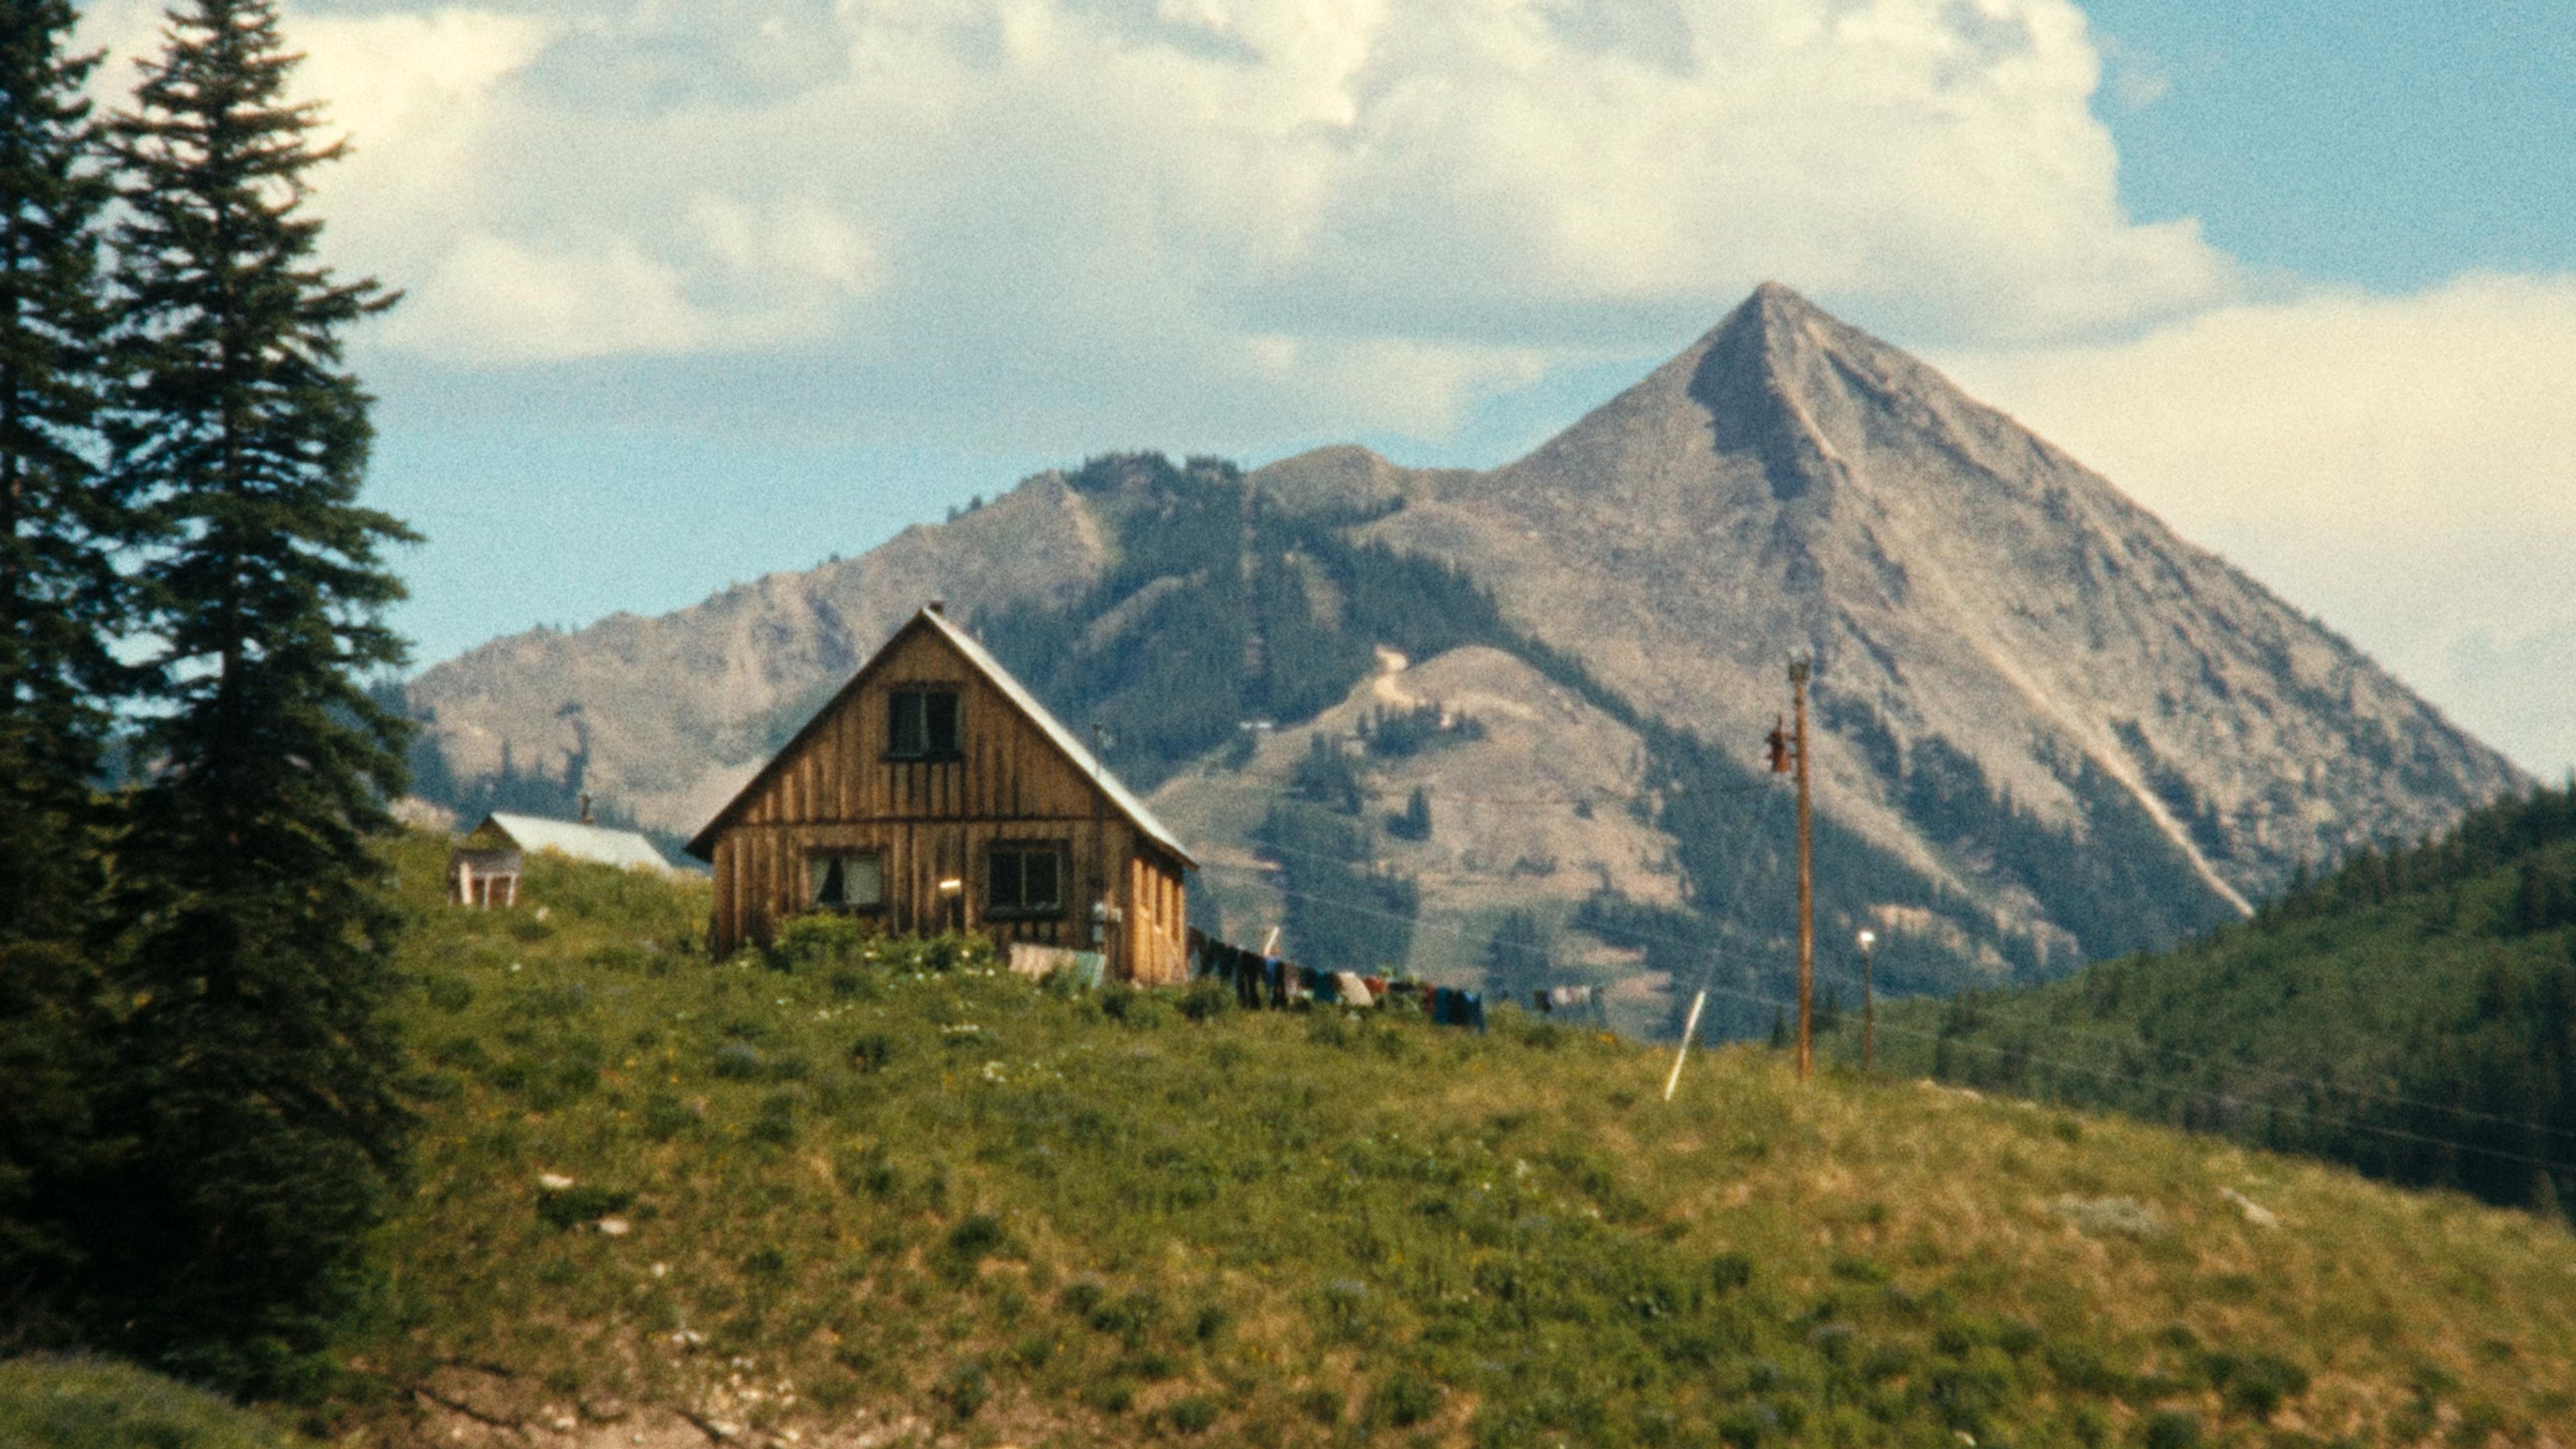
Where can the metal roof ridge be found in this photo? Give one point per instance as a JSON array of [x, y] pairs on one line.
[[1065, 739]]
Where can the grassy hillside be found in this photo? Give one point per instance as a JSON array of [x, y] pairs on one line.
[[885, 1188], [72, 1403], [2414, 1014]]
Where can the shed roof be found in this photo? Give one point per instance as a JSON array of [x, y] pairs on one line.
[[570, 837], [1017, 693]]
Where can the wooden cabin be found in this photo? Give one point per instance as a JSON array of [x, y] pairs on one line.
[[935, 793]]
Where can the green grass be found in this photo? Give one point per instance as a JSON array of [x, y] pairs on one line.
[[905, 1187], [72, 1403]]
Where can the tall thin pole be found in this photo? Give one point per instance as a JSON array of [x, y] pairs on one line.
[[1868, 1011], [1689, 1029], [1806, 881]]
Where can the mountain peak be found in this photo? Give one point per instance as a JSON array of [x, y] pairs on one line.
[[1755, 371], [1777, 302]]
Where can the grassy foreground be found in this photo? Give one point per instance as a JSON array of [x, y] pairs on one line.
[[75, 1403], [892, 1194]]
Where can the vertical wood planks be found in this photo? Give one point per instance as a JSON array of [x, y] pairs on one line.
[[937, 819]]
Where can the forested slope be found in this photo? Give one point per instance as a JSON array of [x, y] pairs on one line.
[[2414, 1014]]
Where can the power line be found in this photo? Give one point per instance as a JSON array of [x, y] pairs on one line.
[[2074, 1032], [1648, 797], [1746, 861], [2169, 1086]]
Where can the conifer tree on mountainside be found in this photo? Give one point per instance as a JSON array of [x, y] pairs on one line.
[[257, 1084], [1516, 958], [58, 584]]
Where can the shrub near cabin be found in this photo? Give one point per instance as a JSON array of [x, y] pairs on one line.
[[934, 793]]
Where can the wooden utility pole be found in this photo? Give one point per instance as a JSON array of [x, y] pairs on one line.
[[1806, 878], [1868, 1007]]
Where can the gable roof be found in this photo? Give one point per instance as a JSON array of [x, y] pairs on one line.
[[596, 843], [703, 847]]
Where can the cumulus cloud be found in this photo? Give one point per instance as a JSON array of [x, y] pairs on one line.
[[1275, 216], [2404, 467]]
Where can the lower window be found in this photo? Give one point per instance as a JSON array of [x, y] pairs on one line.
[[1024, 880], [846, 881]]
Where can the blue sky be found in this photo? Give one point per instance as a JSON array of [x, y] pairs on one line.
[[701, 292], [2388, 145]]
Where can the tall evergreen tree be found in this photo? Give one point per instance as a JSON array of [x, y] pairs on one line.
[[58, 603], [260, 1082], [58, 585], [1515, 959]]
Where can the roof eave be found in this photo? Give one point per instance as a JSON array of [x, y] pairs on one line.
[[1148, 829]]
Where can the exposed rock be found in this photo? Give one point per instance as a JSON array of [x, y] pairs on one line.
[[1789, 483]]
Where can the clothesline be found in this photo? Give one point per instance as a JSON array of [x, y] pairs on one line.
[[1274, 983]]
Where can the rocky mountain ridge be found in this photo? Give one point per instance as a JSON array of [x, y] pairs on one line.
[[2046, 728], [1789, 483]]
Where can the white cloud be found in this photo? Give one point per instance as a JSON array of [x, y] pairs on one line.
[[2404, 467], [956, 201]]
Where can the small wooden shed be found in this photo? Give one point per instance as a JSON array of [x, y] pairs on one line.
[[935, 793], [485, 870]]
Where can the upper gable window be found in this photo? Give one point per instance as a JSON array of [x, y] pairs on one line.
[[921, 724]]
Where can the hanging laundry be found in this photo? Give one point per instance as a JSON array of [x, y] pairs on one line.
[[1352, 990], [1455, 1006], [1250, 988], [1040, 962]]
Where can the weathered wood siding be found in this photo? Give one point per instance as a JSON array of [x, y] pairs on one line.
[[932, 820]]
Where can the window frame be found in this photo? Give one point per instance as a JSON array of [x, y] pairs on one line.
[[1057, 850], [815, 856], [924, 691]]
